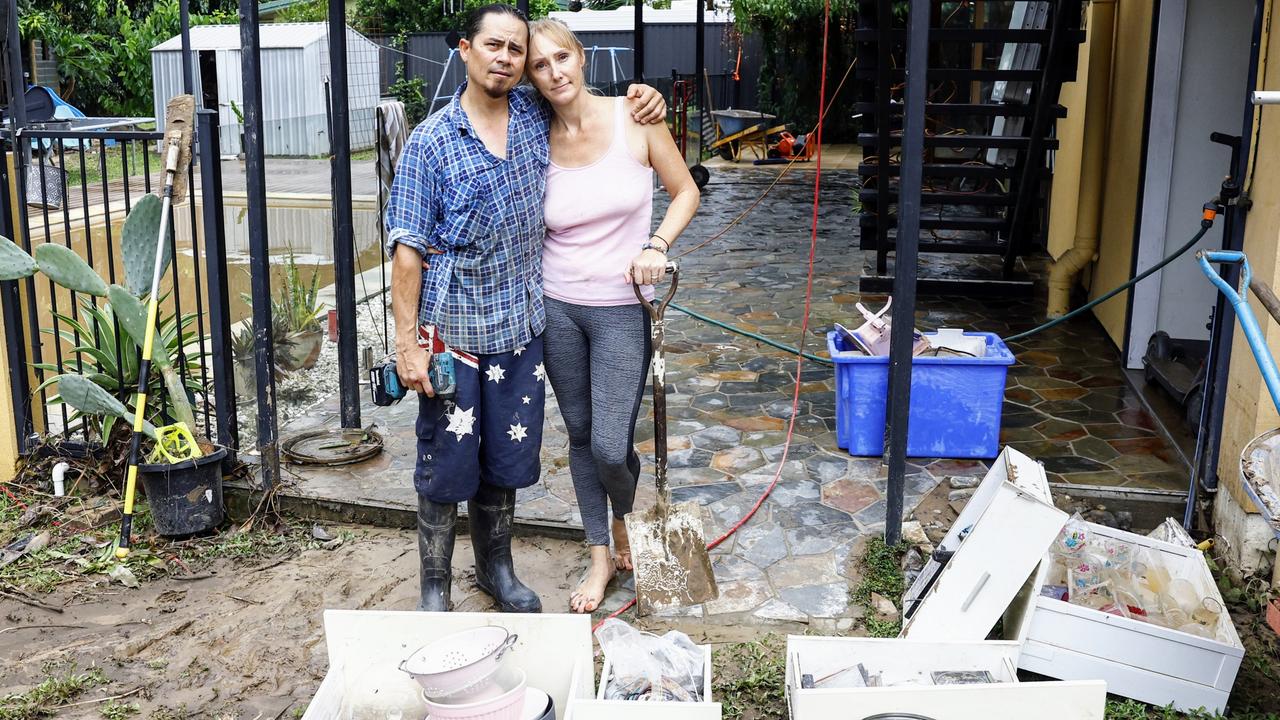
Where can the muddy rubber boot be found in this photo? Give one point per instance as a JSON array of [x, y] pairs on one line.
[[491, 513], [436, 527]]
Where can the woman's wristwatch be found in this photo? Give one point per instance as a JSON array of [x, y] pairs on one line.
[[650, 245]]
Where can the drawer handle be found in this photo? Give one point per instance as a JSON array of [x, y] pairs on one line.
[[982, 581]]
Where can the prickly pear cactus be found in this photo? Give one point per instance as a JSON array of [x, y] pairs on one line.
[[65, 267], [138, 244], [132, 314], [15, 263], [86, 396]]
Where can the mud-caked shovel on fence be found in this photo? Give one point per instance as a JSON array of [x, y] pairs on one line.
[[668, 547]]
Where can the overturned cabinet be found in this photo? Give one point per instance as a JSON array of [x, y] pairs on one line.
[[995, 565]]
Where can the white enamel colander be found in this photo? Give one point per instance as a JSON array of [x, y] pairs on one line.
[[460, 663]]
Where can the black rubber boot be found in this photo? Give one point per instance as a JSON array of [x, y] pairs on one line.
[[436, 527], [490, 514]]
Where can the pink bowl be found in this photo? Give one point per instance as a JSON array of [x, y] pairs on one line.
[[507, 706]]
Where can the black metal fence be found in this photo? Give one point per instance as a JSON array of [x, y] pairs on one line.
[[75, 188], [733, 61]]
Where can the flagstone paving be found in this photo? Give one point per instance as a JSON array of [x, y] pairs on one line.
[[729, 403]]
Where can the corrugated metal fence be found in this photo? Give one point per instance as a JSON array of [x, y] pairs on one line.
[[667, 47]]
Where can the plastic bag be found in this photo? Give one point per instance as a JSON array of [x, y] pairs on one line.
[[648, 667]]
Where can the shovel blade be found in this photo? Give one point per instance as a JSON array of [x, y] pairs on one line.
[[669, 550]]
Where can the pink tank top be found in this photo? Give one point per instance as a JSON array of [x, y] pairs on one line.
[[597, 217]]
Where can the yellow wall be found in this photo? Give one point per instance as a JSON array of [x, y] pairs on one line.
[[1066, 160], [1124, 159], [1249, 410]]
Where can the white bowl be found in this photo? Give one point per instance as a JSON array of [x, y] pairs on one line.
[[536, 705]]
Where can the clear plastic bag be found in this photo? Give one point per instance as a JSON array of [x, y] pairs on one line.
[[650, 667]]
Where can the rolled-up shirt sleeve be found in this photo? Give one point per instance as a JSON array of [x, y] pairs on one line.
[[414, 208]]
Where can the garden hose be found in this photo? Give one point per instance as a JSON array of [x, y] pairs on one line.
[[1206, 222]]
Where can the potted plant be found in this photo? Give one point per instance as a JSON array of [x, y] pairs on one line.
[[186, 496], [297, 310], [244, 368]]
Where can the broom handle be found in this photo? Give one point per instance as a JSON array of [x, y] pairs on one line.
[[144, 369]]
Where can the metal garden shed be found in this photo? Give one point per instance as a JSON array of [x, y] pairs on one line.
[[295, 75]]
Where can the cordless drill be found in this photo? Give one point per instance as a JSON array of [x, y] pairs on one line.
[[388, 390]]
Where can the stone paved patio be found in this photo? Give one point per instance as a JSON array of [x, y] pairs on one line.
[[729, 399]]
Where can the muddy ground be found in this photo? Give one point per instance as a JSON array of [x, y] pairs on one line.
[[246, 642]]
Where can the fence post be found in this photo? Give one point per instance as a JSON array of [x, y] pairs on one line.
[[15, 406], [224, 386], [259, 248], [344, 260], [902, 338]]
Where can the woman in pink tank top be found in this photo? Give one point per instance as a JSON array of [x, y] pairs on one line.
[[599, 218]]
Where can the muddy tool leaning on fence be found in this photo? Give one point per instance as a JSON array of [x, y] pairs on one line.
[[673, 568], [177, 443]]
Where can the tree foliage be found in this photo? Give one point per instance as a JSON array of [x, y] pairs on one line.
[[790, 74], [394, 17], [103, 47]]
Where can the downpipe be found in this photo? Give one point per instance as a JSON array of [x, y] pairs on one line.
[[1063, 272]]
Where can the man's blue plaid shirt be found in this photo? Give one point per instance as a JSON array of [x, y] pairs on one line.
[[450, 193]]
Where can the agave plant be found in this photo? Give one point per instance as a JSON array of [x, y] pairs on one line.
[[298, 307], [110, 359], [94, 390]]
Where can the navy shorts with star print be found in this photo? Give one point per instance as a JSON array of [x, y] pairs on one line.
[[489, 432]]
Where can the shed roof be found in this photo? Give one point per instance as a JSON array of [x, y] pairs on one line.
[[273, 35]]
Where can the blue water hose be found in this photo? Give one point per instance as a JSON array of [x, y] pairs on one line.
[[1248, 322]]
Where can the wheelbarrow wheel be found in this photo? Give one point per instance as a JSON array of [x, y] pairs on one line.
[[700, 176], [726, 151]]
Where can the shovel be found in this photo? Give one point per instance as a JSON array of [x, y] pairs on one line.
[[668, 548]]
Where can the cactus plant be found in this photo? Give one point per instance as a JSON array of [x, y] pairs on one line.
[[138, 244], [86, 396], [64, 267], [15, 263]]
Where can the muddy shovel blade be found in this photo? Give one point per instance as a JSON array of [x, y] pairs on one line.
[[669, 549]]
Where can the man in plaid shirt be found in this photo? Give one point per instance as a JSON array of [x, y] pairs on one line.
[[465, 237]]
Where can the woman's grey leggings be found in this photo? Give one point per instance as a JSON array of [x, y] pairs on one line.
[[597, 359]]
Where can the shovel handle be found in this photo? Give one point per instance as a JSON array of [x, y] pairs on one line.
[[656, 309]]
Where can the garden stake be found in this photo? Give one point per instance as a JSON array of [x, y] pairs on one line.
[[179, 115]]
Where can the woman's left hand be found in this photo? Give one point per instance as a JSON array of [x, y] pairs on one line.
[[647, 268]]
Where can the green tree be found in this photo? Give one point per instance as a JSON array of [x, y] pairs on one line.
[[103, 47], [790, 72], [393, 17]]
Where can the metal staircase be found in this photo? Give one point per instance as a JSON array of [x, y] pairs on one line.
[[996, 69]]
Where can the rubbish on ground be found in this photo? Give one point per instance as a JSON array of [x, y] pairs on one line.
[[956, 401], [648, 667], [553, 661], [837, 677], [1131, 581], [872, 337]]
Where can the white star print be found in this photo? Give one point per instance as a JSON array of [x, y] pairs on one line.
[[518, 351], [495, 373], [525, 399], [517, 432], [540, 372], [461, 422]]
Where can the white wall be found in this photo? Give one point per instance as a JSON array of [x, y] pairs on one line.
[[1209, 87]]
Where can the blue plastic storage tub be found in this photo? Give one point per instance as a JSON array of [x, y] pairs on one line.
[[955, 401]]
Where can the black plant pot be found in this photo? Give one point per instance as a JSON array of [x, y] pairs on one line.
[[185, 498]]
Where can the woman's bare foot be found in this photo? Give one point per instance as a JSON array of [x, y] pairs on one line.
[[621, 546], [591, 588]]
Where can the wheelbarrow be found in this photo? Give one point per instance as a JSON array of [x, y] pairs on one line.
[[740, 129]]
